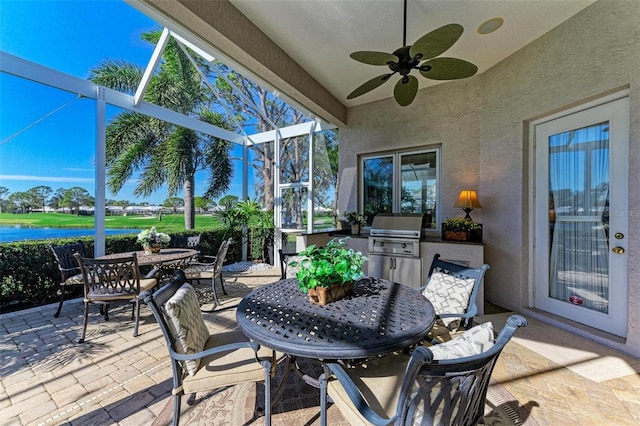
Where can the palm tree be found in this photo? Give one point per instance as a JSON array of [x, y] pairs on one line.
[[163, 153]]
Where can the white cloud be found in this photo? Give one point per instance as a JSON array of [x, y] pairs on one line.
[[78, 170], [46, 178]]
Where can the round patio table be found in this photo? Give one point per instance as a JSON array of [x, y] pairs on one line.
[[380, 317], [165, 256]]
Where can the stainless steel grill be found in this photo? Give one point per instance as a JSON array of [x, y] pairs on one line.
[[394, 248], [397, 234]]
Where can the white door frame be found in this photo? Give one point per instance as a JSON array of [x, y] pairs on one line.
[[618, 172]]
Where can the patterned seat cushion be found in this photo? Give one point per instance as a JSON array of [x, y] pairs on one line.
[[475, 341], [448, 294], [187, 324], [198, 271], [74, 280]]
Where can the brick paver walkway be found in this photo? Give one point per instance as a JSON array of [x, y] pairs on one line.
[[114, 378]]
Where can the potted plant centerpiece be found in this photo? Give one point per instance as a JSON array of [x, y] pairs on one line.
[[152, 241], [328, 273], [356, 220], [461, 229]]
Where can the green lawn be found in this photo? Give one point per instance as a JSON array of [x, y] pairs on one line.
[[169, 223]]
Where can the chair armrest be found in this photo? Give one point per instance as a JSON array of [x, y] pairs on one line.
[[208, 256], [218, 349], [356, 397]]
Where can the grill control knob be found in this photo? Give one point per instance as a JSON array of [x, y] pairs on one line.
[[404, 245], [381, 244]]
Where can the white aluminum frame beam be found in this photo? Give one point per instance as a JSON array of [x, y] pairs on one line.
[[151, 66], [30, 70]]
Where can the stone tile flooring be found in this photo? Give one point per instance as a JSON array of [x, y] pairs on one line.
[[117, 379]]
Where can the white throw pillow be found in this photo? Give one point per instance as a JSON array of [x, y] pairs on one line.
[[183, 310], [475, 341], [448, 294]]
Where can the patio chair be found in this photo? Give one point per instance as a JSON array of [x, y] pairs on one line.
[[112, 280], [287, 271], [165, 271], [453, 290], [443, 385], [71, 275], [192, 242], [202, 361], [209, 270]]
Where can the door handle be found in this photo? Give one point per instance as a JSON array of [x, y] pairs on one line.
[[617, 250]]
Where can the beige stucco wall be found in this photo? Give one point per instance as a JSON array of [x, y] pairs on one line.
[[482, 122], [446, 115]]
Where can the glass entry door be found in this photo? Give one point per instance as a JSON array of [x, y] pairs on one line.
[[581, 228]]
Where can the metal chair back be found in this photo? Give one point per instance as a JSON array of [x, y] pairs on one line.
[[462, 272], [432, 392]]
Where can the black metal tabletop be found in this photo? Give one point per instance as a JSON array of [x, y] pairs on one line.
[[378, 318]]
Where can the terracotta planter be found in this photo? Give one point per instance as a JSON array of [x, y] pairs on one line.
[[474, 236], [154, 248], [324, 295], [457, 235]]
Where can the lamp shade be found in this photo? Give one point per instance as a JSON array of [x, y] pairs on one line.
[[468, 199]]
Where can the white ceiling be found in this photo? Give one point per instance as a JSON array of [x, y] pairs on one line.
[[320, 34]]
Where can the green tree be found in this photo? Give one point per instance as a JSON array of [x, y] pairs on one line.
[[3, 195], [76, 197], [204, 204], [165, 154], [56, 198], [21, 200], [174, 203], [228, 201], [40, 195], [259, 114]]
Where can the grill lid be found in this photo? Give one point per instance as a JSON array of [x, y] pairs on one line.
[[396, 225]]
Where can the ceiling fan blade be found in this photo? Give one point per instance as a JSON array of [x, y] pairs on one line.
[[437, 41], [374, 58], [447, 69], [369, 85], [405, 92]]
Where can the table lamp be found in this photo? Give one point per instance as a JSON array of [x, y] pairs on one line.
[[467, 201]]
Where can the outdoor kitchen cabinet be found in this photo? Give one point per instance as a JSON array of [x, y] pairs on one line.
[[399, 269]]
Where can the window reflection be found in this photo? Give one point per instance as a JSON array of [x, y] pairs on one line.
[[417, 174]]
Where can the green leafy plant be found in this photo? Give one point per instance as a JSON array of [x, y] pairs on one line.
[[461, 224], [354, 218], [335, 264]]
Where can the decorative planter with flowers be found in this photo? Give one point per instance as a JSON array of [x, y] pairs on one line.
[[460, 229], [356, 220], [152, 241], [328, 273]]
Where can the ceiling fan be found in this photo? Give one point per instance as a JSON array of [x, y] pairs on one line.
[[408, 58]]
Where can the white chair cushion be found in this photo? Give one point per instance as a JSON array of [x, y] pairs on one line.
[[472, 342], [185, 319], [448, 294]]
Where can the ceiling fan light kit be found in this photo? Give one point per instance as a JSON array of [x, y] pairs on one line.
[[407, 58]]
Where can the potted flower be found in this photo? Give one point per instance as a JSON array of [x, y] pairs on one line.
[[152, 241], [328, 273], [356, 220], [461, 229]]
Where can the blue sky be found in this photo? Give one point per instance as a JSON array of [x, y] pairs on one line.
[[72, 37]]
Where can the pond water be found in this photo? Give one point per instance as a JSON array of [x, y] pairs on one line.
[[9, 233]]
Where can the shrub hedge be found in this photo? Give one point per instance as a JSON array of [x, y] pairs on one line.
[[29, 273]]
